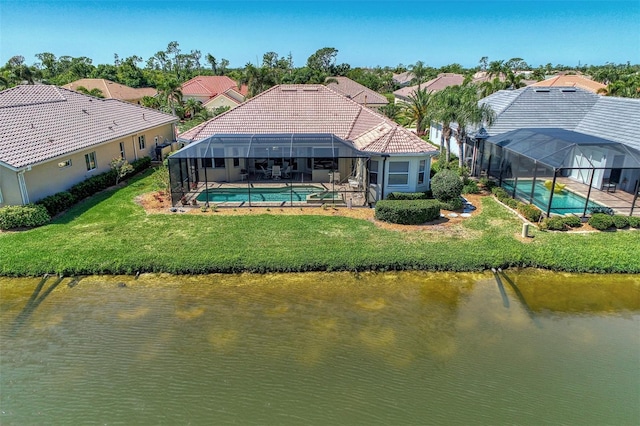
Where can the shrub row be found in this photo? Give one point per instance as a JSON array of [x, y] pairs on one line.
[[560, 223], [529, 211], [604, 221], [407, 212], [409, 196], [61, 201], [26, 216]]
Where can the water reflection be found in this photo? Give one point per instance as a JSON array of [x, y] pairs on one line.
[[392, 348]]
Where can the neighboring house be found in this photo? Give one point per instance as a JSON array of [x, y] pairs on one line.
[[52, 138], [111, 90], [572, 81], [398, 159], [434, 85], [214, 91], [356, 91], [403, 79], [601, 122]]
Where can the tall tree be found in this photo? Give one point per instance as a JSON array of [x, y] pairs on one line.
[[323, 59], [418, 110], [420, 73]]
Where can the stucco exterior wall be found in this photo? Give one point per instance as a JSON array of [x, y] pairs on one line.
[[50, 177], [384, 186], [220, 101]]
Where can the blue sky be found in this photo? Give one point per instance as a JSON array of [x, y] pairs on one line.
[[366, 33]]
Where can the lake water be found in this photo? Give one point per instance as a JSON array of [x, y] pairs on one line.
[[409, 348]]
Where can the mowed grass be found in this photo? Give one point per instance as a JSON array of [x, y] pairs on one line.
[[110, 234]]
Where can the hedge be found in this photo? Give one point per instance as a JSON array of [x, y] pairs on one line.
[[560, 223], [620, 221], [634, 221], [407, 212], [26, 216], [409, 196], [530, 212], [446, 185], [601, 221]]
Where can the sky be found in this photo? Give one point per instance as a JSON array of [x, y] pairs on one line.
[[366, 33]]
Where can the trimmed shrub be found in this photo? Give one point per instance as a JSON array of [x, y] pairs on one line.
[[634, 222], [572, 221], [407, 212], [23, 216], [499, 193], [57, 203], [601, 221], [408, 196], [620, 221], [471, 187], [454, 204], [446, 185], [511, 202], [530, 212], [555, 223], [487, 183], [601, 209]]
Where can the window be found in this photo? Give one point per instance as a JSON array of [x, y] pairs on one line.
[[122, 150], [373, 172], [64, 164], [398, 172], [90, 158], [421, 172], [217, 163], [236, 162], [141, 142]]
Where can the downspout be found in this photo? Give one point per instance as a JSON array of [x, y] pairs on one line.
[[384, 163], [23, 186]]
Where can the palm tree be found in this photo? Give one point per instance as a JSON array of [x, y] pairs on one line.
[[170, 93], [445, 111], [420, 72], [417, 110], [470, 113], [192, 107]]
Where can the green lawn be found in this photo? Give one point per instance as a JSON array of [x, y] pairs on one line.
[[111, 234]]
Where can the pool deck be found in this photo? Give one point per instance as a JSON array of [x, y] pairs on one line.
[[620, 201]]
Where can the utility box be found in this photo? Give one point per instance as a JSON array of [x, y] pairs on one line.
[[525, 230]]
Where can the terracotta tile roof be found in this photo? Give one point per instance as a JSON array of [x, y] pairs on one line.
[[111, 90], [356, 91], [313, 108], [210, 86], [434, 85], [41, 122], [571, 81], [403, 78]]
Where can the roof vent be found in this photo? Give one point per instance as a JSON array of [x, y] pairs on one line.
[[543, 90], [570, 90], [289, 89], [310, 89]]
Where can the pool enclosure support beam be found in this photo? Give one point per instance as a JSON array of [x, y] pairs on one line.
[[635, 197], [206, 187], [553, 186], [586, 203], [533, 184]]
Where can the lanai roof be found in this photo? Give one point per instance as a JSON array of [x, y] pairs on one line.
[[41, 122], [304, 109]]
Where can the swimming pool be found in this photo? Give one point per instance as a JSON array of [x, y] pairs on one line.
[[562, 203], [239, 195]]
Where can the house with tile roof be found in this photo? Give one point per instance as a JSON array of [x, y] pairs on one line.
[[356, 91], [52, 138], [111, 90], [589, 139], [434, 85], [403, 79], [317, 132], [572, 80], [214, 91]]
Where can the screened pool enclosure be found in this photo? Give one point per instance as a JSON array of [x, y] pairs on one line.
[[563, 172], [269, 170]]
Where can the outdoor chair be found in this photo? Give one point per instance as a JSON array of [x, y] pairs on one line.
[[266, 174], [276, 173], [608, 185], [286, 173]]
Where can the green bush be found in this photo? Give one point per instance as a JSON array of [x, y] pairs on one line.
[[408, 196], [499, 193], [555, 223], [511, 202], [407, 212], [451, 205], [601, 221], [487, 183], [57, 203], [572, 221], [471, 187], [446, 185], [530, 212], [23, 216], [634, 222], [620, 221]]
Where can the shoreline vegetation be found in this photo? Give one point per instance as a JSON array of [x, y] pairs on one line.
[[110, 233]]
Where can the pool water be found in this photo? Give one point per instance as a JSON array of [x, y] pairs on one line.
[[282, 194], [562, 203]]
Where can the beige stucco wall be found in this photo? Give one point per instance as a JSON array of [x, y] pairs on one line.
[[220, 101], [47, 178]]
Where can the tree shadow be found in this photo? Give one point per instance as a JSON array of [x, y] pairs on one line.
[[37, 297]]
